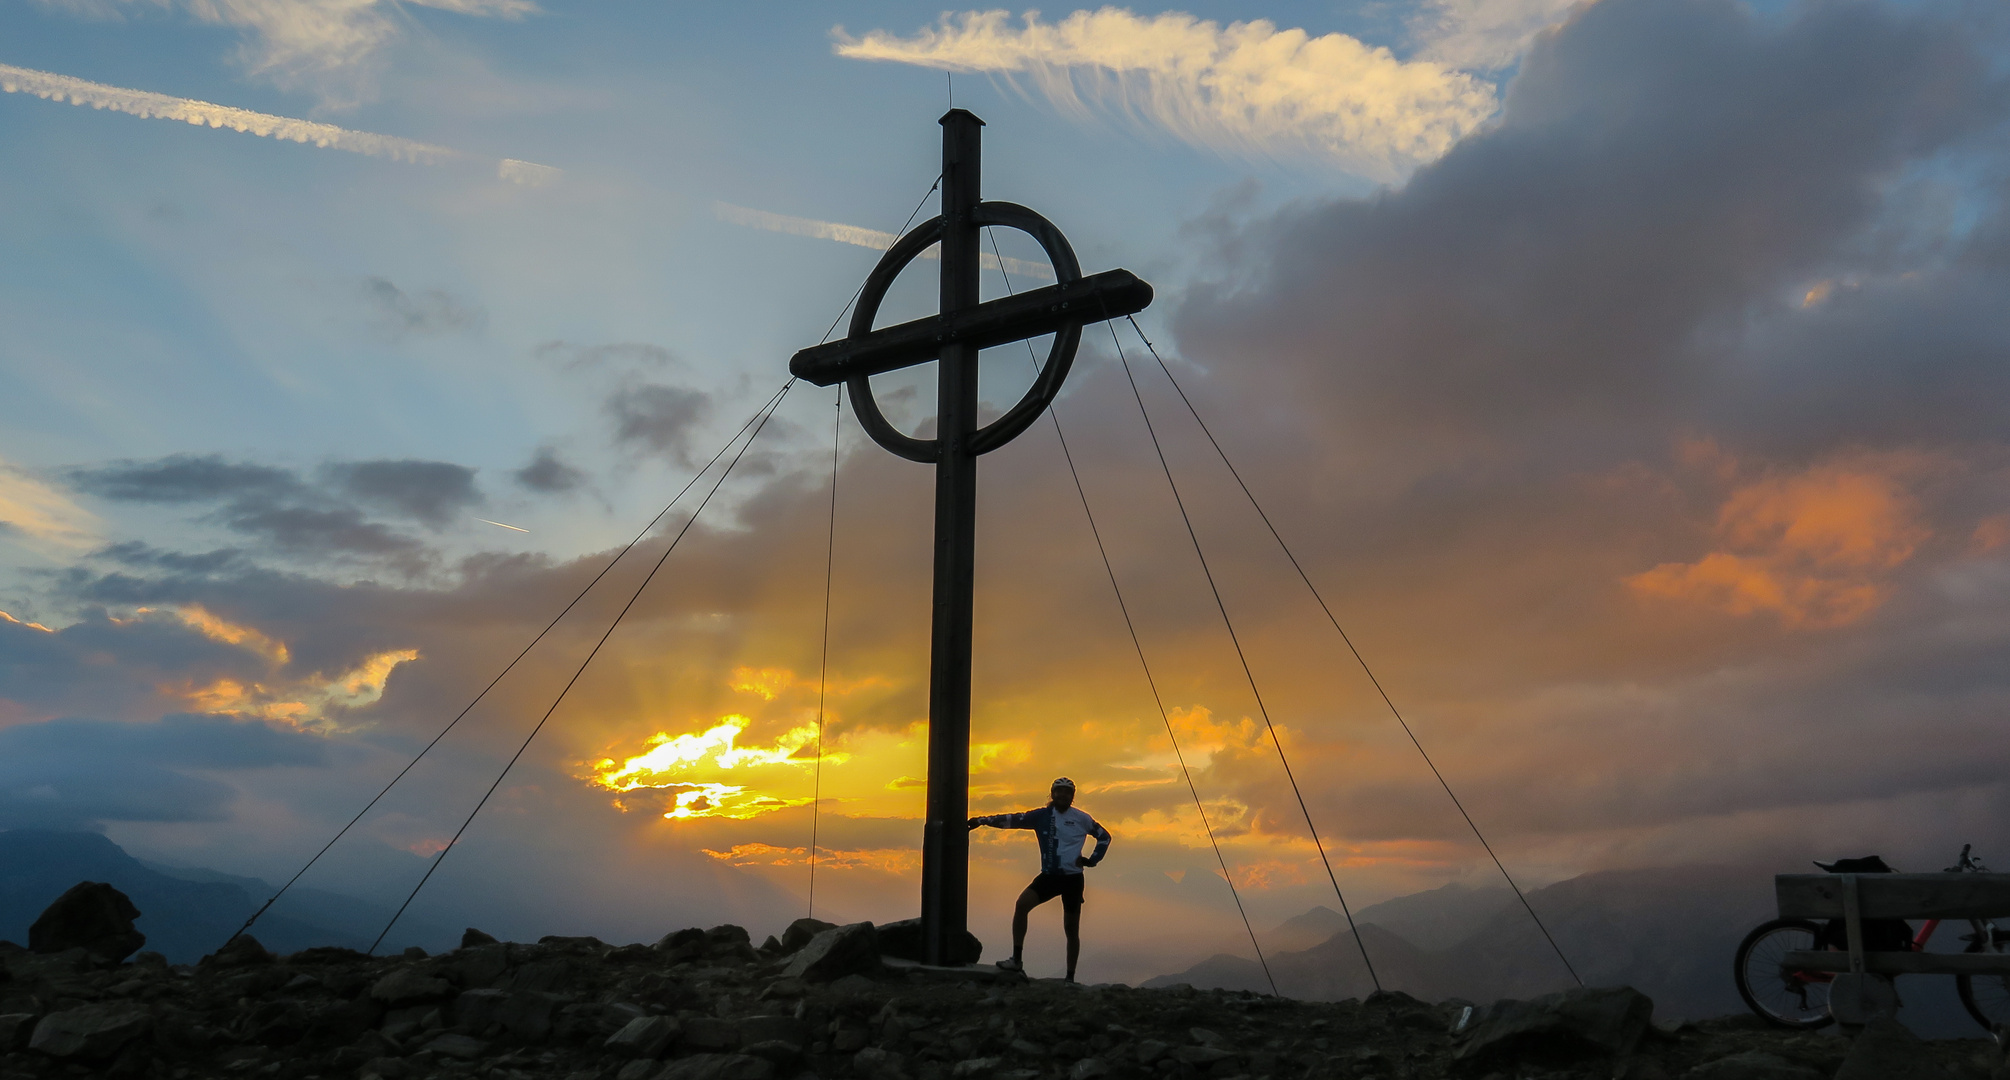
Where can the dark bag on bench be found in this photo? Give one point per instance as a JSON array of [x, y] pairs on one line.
[[1879, 935]]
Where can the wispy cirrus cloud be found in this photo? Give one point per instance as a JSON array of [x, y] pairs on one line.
[[324, 45], [41, 517], [1245, 88], [145, 103], [1484, 35], [859, 236]]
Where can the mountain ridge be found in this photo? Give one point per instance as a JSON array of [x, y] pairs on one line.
[[185, 912]]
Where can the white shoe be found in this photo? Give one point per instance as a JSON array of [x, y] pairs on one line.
[[1011, 963]]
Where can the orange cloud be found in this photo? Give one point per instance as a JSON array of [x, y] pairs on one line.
[[216, 629], [29, 625], [1813, 547], [888, 860]]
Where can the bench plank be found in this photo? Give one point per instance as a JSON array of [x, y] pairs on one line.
[[1896, 896], [1898, 963]]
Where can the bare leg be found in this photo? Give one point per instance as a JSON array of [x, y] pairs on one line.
[[1071, 922], [1028, 900]]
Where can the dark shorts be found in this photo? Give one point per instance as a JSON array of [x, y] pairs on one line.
[[1066, 886]]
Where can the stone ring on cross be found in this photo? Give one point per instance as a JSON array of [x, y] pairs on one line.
[[1060, 309], [1060, 356]]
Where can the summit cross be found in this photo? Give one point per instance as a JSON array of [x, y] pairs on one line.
[[954, 335]]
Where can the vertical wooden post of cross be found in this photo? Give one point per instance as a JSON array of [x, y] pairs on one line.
[[945, 842]]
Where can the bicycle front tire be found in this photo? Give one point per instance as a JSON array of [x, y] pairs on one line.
[[1779, 994], [1986, 997]]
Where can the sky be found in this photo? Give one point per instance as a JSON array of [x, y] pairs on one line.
[[1628, 377]]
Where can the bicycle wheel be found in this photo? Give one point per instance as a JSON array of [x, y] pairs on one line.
[[1780, 994], [1987, 997]]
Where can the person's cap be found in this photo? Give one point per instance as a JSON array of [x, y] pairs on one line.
[[1064, 782]]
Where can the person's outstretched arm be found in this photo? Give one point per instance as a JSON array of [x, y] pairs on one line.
[[1102, 836], [1021, 820]]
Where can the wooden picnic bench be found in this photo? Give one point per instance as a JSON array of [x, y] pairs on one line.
[[1862, 987]]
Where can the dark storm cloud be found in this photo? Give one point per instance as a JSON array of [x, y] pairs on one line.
[[432, 492], [1719, 295], [396, 314], [292, 514], [112, 667], [139, 553], [1663, 177], [657, 418], [187, 478], [70, 773], [548, 474]]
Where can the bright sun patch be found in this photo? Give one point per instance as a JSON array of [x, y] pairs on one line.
[[680, 768]]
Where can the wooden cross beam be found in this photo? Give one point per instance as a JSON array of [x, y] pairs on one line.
[[954, 336]]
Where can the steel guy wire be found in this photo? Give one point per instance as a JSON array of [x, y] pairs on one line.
[[458, 717], [902, 232], [1249, 675], [1081, 493], [581, 670], [1358, 658]]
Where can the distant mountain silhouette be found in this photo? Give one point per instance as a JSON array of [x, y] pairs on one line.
[[185, 913], [1429, 919], [1669, 932]]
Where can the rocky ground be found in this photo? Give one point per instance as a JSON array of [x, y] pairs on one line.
[[708, 1005]]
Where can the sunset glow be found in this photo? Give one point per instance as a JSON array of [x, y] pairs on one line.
[[1608, 400]]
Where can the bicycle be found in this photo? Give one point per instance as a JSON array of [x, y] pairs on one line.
[[1794, 998]]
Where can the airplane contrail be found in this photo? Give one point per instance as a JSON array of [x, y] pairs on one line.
[[146, 103], [500, 525], [858, 236]]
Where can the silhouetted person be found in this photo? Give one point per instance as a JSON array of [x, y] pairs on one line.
[[1061, 830]]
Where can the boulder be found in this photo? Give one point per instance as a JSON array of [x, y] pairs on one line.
[[1565, 1026], [975, 1068], [92, 916], [478, 1011], [902, 941], [455, 1045], [644, 1037], [14, 1030], [479, 965], [1751, 1065], [90, 1032], [407, 986], [835, 953], [527, 1015], [472, 937], [1886, 1050], [240, 951], [711, 1033], [727, 936], [760, 1029], [873, 1063], [677, 939], [780, 1053], [718, 1067], [801, 931], [1089, 1068]]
